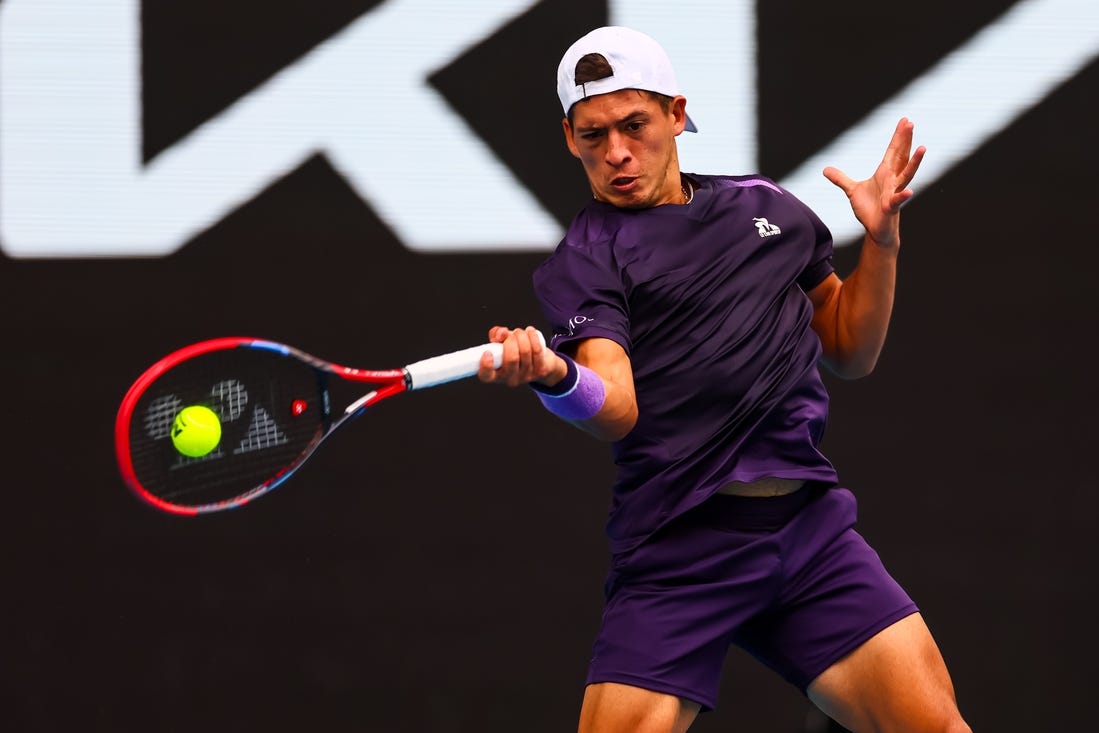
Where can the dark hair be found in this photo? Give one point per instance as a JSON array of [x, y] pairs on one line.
[[594, 66]]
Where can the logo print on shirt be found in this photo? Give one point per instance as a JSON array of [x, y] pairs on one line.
[[573, 323], [766, 228], [577, 320]]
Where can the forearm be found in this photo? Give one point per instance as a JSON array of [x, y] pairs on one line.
[[858, 319], [600, 403], [852, 316], [615, 418]]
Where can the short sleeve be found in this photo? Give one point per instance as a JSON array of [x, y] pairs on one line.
[[820, 262], [582, 295]]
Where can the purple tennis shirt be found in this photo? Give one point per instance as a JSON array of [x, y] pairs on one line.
[[708, 299]]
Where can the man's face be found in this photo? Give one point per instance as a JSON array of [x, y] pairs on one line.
[[626, 142]]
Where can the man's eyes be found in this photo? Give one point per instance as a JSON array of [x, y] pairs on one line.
[[631, 127]]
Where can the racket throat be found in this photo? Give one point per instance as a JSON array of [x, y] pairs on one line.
[[360, 404]]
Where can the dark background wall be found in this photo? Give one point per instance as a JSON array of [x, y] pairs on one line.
[[438, 566]]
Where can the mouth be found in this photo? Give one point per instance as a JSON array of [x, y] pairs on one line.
[[623, 184]]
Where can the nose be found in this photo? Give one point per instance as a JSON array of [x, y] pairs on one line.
[[618, 152]]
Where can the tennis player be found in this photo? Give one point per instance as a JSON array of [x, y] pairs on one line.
[[690, 313]]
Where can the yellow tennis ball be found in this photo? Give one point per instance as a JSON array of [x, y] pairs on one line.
[[196, 431]]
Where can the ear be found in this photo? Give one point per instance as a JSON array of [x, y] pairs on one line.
[[679, 112], [567, 129]]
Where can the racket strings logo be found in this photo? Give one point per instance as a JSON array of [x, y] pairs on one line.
[[160, 414], [263, 432], [228, 400]]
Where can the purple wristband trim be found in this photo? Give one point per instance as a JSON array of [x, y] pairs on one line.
[[581, 396], [565, 385]]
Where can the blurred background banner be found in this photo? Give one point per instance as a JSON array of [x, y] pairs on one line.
[[374, 182]]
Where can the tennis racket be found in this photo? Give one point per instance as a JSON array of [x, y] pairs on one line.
[[269, 407]]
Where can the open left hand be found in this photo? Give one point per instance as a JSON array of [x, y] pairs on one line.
[[877, 200]]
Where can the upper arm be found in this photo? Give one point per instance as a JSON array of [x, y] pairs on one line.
[[825, 300]]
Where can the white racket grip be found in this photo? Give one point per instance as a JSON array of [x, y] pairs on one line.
[[455, 365]]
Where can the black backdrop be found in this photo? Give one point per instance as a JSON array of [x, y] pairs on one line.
[[449, 578]]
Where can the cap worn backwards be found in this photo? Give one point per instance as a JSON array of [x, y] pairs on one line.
[[638, 62]]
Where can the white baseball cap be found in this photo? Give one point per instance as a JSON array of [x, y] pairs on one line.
[[637, 60]]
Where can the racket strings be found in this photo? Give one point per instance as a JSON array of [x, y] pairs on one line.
[[272, 409]]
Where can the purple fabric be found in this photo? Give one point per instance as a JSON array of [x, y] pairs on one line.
[[579, 396], [708, 299], [787, 579]]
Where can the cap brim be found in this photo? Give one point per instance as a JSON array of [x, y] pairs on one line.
[[690, 126]]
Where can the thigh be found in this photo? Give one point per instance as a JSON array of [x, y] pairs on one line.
[[835, 595], [897, 680], [615, 708]]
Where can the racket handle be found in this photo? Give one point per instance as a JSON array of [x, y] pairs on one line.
[[455, 365]]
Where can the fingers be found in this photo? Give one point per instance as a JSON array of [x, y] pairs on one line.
[[901, 143], [841, 179], [523, 360], [517, 357], [899, 157], [898, 199], [911, 167], [486, 371], [897, 170], [901, 193]]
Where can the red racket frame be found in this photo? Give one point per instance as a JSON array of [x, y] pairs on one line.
[[390, 381]]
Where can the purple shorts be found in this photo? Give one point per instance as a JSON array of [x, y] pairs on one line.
[[785, 578]]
